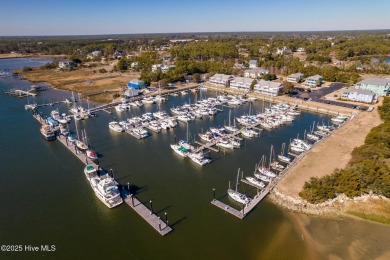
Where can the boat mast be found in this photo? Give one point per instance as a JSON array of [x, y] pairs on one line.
[[270, 156], [238, 173]]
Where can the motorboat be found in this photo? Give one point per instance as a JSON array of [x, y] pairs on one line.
[[180, 150], [48, 132], [115, 126], [90, 172], [139, 131], [225, 143], [186, 145], [199, 158], [106, 190], [262, 177]]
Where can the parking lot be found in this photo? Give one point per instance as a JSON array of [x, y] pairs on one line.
[[318, 96]]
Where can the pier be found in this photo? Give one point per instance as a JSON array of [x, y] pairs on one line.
[[160, 226], [262, 193], [20, 93], [147, 214]]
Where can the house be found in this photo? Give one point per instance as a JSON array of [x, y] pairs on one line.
[[221, 80], [165, 68], [380, 86], [253, 64], [283, 50], [155, 67], [66, 65], [134, 65], [300, 49], [241, 83], [117, 55], [131, 92], [268, 88], [295, 78], [94, 54], [136, 84], [313, 81], [255, 73], [359, 95]]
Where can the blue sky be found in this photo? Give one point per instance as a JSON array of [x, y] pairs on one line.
[[58, 17]]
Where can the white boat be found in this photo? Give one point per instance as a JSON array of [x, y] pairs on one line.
[[208, 136], [106, 190], [255, 182], [239, 197], [247, 133], [148, 100], [184, 118], [312, 137], [186, 145], [139, 131], [81, 145], [115, 126], [266, 172], [90, 172], [225, 143], [284, 159], [262, 177], [277, 166], [199, 158], [91, 154], [138, 103], [180, 150]]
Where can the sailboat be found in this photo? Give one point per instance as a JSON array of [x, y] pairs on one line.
[[79, 143], [239, 197], [185, 143], [91, 154], [231, 128], [266, 171], [281, 156]]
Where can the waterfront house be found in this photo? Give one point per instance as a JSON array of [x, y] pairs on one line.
[[131, 92], [295, 78], [380, 86], [136, 84], [313, 81], [241, 83], [253, 64], [359, 95], [266, 87], [255, 73], [221, 80]]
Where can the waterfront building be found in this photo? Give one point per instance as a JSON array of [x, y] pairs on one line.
[[255, 73], [379, 86], [94, 54], [295, 78], [136, 84], [359, 95], [164, 68], [221, 80], [266, 87], [241, 83], [253, 64], [313, 81], [131, 92]]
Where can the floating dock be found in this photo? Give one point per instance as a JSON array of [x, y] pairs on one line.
[[159, 225]]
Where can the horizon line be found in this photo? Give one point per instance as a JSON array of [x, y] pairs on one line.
[[198, 32]]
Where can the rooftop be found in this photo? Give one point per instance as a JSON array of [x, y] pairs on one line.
[[375, 81], [315, 77], [359, 91]]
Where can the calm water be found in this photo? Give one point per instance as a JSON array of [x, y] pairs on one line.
[[47, 200]]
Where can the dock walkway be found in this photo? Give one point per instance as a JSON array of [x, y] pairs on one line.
[[160, 226]]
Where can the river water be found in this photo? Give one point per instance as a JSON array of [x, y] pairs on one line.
[[46, 199]]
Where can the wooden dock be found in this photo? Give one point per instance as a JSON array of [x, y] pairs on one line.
[[159, 225], [227, 208], [20, 93]]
